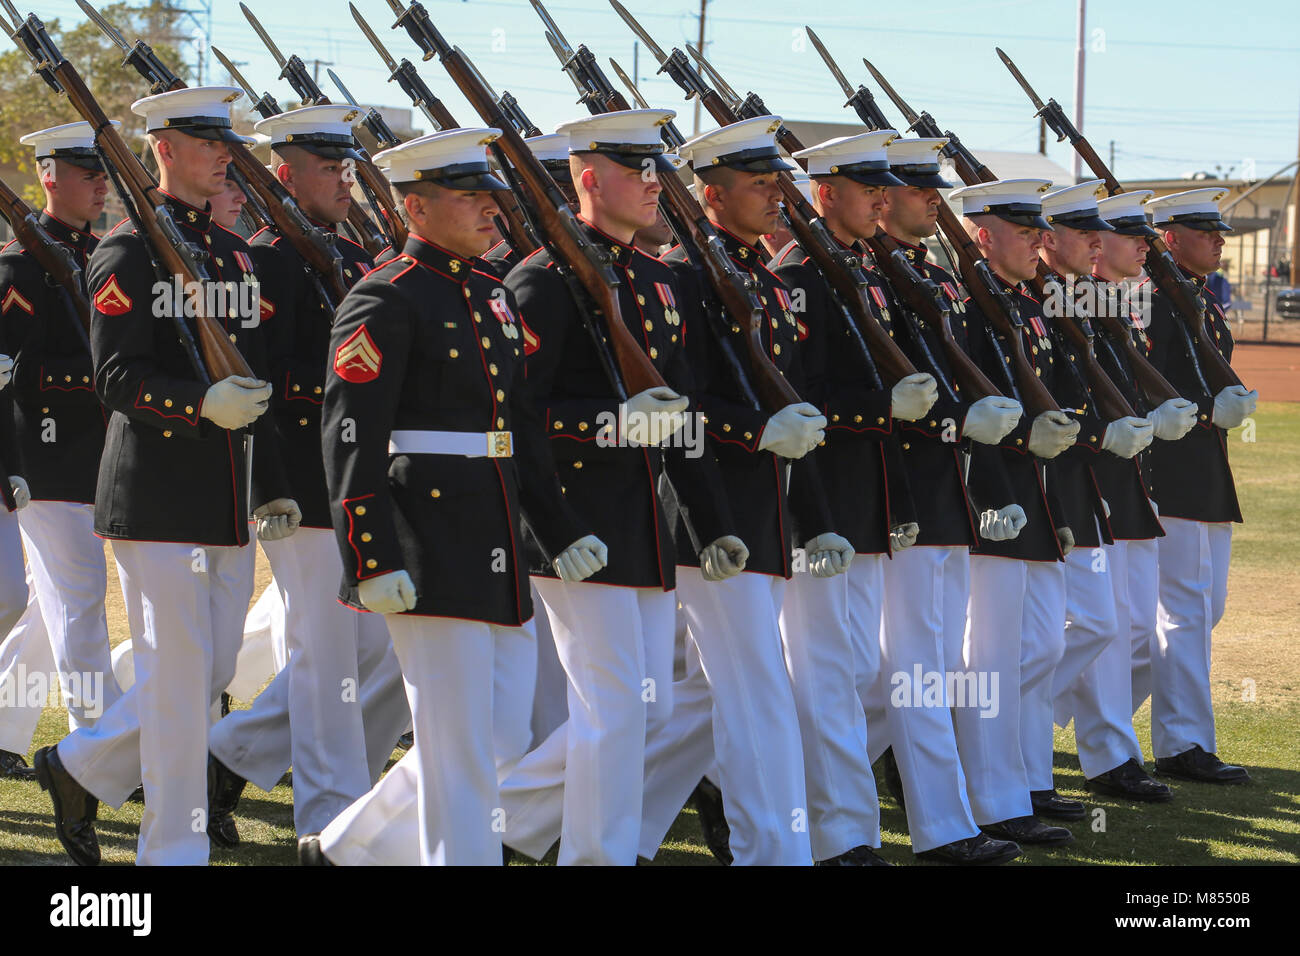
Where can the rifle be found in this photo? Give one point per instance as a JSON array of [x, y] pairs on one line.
[[372, 182], [55, 259], [987, 292], [841, 268], [732, 305], [172, 254], [1213, 373], [1109, 399], [513, 223], [555, 220], [277, 206]]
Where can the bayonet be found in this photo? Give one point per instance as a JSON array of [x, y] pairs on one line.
[[265, 37], [719, 84], [265, 105], [631, 87], [829, 60]]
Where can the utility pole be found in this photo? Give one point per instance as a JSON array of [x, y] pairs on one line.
[[1295, 227], [315, 69], [1042, 136], [1112, 156], [699, 45], [1078, 82]]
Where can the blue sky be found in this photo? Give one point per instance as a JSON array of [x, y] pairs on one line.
[[1178, 86]]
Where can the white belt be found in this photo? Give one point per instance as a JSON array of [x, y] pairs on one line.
[[469, 444]]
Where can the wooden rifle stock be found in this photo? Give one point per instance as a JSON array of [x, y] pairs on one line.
[[1108, 399], [920, 296], [560, 227], [220, 356], [1033, 393]]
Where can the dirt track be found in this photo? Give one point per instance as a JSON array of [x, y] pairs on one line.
[[1272, 369]]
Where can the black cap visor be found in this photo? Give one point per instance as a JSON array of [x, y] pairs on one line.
[[1083, 221]]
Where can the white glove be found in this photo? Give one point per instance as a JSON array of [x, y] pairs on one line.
[[1173, 418], [235, 402], [903, 535], [1065, 537], [1125, 437], [389, 593], [581, 559], [6, 370], [828, 555], [724, 558], [1051, 434], [793, 431], [912, 396], [1105, 507], [1003, 524], [22, 494], [991, 419], [277, 519], [651, 417], [1233, 404]]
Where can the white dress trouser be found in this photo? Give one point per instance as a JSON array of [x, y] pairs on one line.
[[843, 810], [988, 729], [262, 655], [1143, 604], [70, 579], [449, 776], [1099, 698], [26, 660], [926, 593], [1091, 621], [256, 743], [735, 706], [327, 745], [585, 779], [1193, 590], [866, 602], [185, 605], [382, 828], [551, 687], [1042, 647]]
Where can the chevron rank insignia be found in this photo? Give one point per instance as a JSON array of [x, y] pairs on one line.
[[15, 298], [358, 360], [110, 299], [531, 342]]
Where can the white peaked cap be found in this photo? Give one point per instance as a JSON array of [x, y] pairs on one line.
[[864, 158], [201, 111], [1076, 206], [749, 146], [1018, 201], [456, 159], [625, 136], [915, 161], [323, 130], [1196, 208]]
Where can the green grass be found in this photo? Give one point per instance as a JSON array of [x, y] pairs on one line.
[[1256, 643]]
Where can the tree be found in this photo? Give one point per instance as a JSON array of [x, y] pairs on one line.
[[29, 104]]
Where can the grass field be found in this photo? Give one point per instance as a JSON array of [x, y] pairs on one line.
[[1256, 648]]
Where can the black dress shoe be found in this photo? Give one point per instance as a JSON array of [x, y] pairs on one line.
[[1029, 830], [406, 741], [893, 779], [137, 795], [310, 853], [14, 767], [1049, 803], [707, 800], [978, 850], [74, 808], [224, 789], [858, 856], [1196, 764], [1131, 782]]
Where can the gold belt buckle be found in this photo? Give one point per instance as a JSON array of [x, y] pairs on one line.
[[499, 445]]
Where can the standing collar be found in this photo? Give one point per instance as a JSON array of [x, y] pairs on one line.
[[69, 235], [622, 252], [443, 260], [189, 217], [737, 248]]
